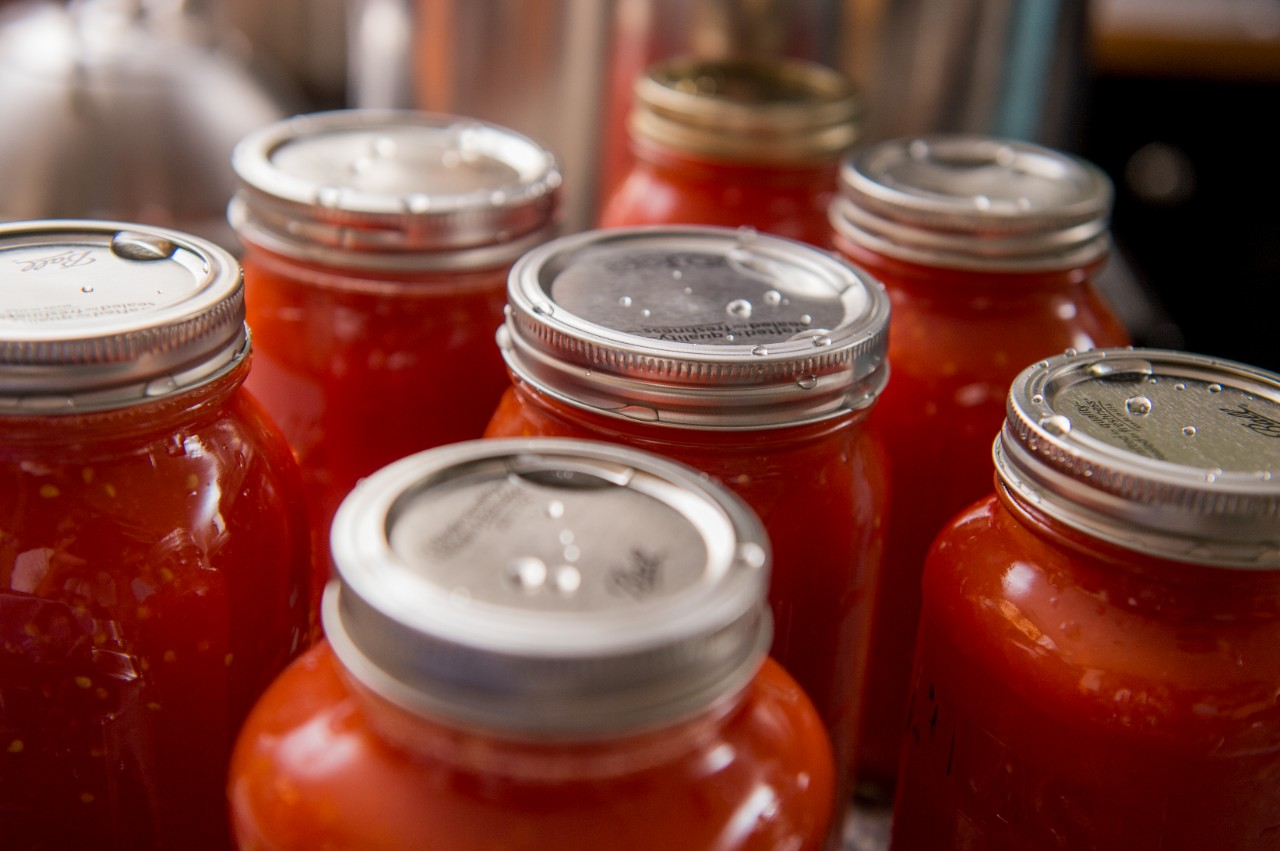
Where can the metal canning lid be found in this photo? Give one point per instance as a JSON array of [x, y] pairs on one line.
[[97, 315], [394, 189], [548, 586], [1164, 452], [766, 111], [696, 326], [974, 202]]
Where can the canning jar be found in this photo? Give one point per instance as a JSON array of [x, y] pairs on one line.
[[736, 142], [376, 248], [155, 572], [751, 358], [538, 644], [1097, 662], [988, 249]]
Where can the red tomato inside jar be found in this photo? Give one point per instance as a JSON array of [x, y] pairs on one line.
[[155, 572], [538, 644], [1097, 665]]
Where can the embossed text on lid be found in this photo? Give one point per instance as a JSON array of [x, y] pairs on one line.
[[548, 585], [697, 326], [1168, 452], [107, 314]]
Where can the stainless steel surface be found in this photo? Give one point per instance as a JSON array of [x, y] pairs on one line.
[[124, 111]]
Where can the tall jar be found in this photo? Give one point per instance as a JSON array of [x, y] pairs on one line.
[[736, 142], [751, 358], [376, 249], [155, 573], [988, 249], [538, 644], [1097, 663]]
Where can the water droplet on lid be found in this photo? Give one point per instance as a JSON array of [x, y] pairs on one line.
[[688, 290], [678, 274], [739, 308], [759, 350], [86, 289], [821, 340], [1212, 475], [528, 573], [808, 382], [417, 202], [625, 301], [1056, 425], [543, 309], [982, 202], [1179, 386], [566, 579], [1071, 352], [751, 555], [1042, 364], [646, 313], [555, 509], [1189, 431], [730, 337], [1037, 399], [1139, 406], [328, 196], [1023, 203], [160, 386], [773, 297], [383, 146], [141, 246], [1215, 388], [498, 197]]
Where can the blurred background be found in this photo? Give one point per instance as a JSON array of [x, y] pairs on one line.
[[128, 109]]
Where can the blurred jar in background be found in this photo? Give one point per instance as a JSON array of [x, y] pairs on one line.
[[538, 644], [752, 358], [155, 573], [1097, 662], [377, 245], [988, 249], [736, 142]]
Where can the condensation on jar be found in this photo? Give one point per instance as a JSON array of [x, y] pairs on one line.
[[376, 249], [749, 357], [736, 142], [539, 644], [1096, 664], [988, 249], [155, 571]]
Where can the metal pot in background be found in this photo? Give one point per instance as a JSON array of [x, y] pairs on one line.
[[123, 110]]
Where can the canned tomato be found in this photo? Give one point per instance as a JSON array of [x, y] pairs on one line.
[[155, 572], [377, 245], [1097, 665], [988, 248], [752, 358], [538, 644]]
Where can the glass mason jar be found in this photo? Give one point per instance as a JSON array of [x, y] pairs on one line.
[[538, 644], [988, 249], [1097, 662], [155, 572], [734, 142], [376, 249], [751, 358]]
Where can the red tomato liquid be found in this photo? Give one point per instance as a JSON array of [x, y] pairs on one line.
[[315, 768], [664, 187], [1070, 695], [360, 371], [154, 578], [818, 490], [956, 341]]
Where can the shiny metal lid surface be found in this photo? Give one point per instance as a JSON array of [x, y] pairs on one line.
[[548, 586], [696, 326], [772, 111], [100, 315], [1165, 452], [397, 189], [974, 202]]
